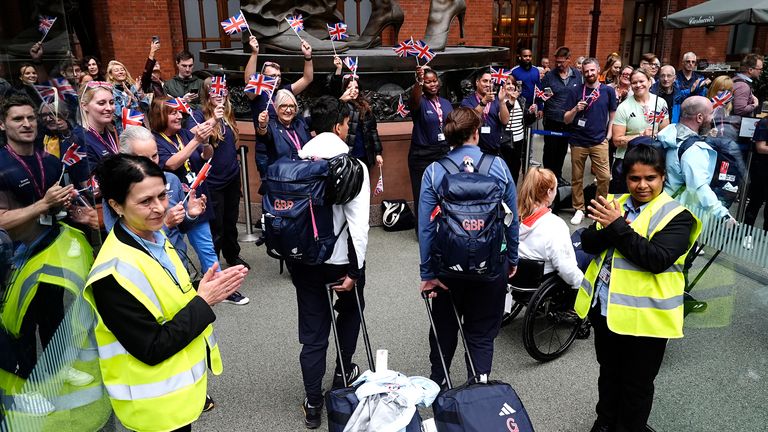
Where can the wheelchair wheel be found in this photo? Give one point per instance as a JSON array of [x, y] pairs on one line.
[[550, 324]]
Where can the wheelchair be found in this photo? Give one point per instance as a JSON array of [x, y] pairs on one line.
[[550, 324]]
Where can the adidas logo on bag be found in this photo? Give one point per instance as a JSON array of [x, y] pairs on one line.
[[506, 410], [456, 268]]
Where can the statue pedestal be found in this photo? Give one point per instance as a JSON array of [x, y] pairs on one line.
[[384, 76]]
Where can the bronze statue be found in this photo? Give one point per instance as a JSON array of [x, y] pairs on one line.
[[267, 20]]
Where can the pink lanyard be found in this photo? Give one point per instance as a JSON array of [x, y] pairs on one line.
[[39, 187], [294, 137], [439, 110], [486, 109], [111, 145]]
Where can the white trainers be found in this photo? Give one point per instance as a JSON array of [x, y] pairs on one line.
[[76, 377], [747, 242], [32, 403], [577, 217]]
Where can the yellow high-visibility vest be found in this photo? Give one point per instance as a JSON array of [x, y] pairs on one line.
[[168, 395], [641, 303]]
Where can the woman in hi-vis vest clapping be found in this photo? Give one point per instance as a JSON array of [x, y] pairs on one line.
[[633, 290], [154, 332]]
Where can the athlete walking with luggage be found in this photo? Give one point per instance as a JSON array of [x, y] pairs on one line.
[[477, 281]]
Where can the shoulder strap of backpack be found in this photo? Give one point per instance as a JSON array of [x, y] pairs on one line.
[[686, 145], [484, 166], [449, 165]]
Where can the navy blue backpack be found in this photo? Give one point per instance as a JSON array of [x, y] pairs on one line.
[[298, 221], [470, 223]]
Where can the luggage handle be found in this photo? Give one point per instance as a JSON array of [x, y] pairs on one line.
[[366, 341], [425, 296]]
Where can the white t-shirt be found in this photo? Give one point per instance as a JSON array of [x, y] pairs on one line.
[[632, 115]]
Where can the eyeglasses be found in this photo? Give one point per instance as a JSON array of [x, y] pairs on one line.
[[222, 93], [47, 116], [286, 107], [269, 64], [691, 61]]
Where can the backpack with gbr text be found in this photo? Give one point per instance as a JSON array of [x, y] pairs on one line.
[[729, 169], [470, 222], [298, 220]]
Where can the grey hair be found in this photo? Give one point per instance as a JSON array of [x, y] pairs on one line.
[[591, 60], [689, 54], [131, 134], [282, 95]]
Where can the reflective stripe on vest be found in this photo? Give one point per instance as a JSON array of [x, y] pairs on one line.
[[111, 350], [625, 264], [587, 285], [660, 214], [646, 302], [158, 389], [132, 274]]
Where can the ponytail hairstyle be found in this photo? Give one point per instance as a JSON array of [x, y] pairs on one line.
[[460, 125], [534, 190]]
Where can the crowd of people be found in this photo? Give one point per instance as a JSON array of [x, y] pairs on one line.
[[73, 167]]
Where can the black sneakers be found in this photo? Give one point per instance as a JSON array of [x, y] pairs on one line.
[[239, 261], [352, 373], [313, 415]]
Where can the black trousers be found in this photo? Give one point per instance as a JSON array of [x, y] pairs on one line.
[[555, 147], [512, 153], [44, 315], [418, 161], [226, 209], [315, 321], [628, 367], [758, 193], [481, 304]]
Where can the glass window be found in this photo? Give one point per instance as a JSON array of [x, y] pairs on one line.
[[516, 24]]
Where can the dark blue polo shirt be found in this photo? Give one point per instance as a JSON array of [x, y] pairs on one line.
[[96, 148], [491, 127], [165, 150], [259, 104], [554, 107], [224, 165], [426, 124], [16, 180], [279, 144], [594, 118]]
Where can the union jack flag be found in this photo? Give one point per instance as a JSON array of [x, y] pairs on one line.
[[72, 155], [219, 85], [655, 116], [721, 98], [259, 84], [404, 49], [421, 50], [379, 185], [337, 31], [63, 86], [179, 104], [296, 22], [202, 175], [595, 95], [132, 118], [351, 64], [401, 109], [47, 93], [500, 76], [541, 94], [235, 24], [46, 22]]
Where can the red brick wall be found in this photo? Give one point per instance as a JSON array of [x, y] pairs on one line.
[[478, 22], [578, 28], [125, 28]]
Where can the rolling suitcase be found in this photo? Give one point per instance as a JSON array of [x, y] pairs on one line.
[[475, 406], [341, 403]]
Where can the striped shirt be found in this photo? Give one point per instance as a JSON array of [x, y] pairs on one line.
[[515, 123]]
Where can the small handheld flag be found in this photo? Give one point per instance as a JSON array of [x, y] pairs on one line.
[[179, 104], [401, 109], [296, 22], [379, 184], [351, 64], [72, 155], [199, 178], [45, 24], [63, 86], [235, 24], [499, 76], [47, 93], [595, 95], [722, 98], [540, 94], [404, 49], [132, 118], [422, 51], [259, 84], [338, 31], [219, 86]]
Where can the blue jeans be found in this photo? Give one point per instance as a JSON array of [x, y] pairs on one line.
[[200, 238]]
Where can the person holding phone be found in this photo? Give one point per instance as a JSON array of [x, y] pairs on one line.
[[150, 79], [184, 85], [493, 112]]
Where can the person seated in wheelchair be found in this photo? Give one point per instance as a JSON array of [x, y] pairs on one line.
[[633, 289], [544, 236]]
